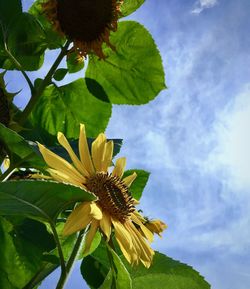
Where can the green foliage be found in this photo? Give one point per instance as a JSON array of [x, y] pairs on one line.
[[164, 272], [20, 152], [53, 38], [138, 185], [60, 74], [42, 200], [21, 252], [21, 37], [129, 6], [64, 108], [118, 276], [133, 72], [74, 63]]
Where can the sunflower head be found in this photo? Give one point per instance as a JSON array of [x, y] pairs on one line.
[[115, 208], [86, 22]]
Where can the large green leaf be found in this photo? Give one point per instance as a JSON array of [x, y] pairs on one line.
[[129, 6], [118, 277], [20, 151], [138, 185], [21, 249], [164, 272], [53, 39], [26, 42], [64, 108], [133, 72], [42, 200]]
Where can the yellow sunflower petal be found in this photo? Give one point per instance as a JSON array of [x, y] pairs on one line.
[[147, 233], [129, 179], [124, 249], [98, 151], [61, 177], [90, 236], [84, 151], [64, 142], [122, 234], [56, 162], [119, 167], [105, 224], [78, 219], [107, 158], [95, 211]]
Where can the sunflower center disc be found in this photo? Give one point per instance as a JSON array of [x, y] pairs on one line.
[[113, 195], [84, 20]]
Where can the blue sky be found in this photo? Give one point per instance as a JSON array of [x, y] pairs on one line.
[[194, 137]]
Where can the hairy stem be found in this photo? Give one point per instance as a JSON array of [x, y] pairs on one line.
[[38, 92], [59, 248], [63, 278]]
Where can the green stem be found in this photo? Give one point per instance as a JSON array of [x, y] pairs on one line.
[[59, 248], [63, 278], [44, 83], [19, 67]]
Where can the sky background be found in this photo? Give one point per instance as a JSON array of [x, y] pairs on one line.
[[193, 138]]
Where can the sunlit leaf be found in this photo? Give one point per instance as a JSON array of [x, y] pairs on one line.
[[129, 6], [133, 72], [118, 277], [164, 272], [42, 200], [139, 183], [64, 108]]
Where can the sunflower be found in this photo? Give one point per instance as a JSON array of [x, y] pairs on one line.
[[114, 210], [86, 22]]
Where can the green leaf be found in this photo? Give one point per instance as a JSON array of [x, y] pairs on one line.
[[139, 183], [74, 63], [60, 74], [42, 200], [118, 277], [21, 251], [129, 6], [166, 273], [53, 39], [64, 108], [26, 42], [19, 150], [8, 11], [133, 73]]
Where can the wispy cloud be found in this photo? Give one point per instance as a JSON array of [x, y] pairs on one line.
[[231, 153], [201, 5]]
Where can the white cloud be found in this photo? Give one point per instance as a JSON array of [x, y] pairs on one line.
[[200, 5], [231, 154]]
